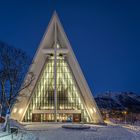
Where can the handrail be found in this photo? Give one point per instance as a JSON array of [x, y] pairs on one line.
[[14, 135], [3, 136]]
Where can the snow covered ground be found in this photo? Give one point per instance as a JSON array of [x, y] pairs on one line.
[[52, 131], [55, 132]]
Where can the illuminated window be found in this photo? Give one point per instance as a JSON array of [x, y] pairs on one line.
[[68, 93]]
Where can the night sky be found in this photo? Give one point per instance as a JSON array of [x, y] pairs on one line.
[[105, 36]]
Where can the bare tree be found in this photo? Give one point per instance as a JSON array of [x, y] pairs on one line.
[[13, 66]]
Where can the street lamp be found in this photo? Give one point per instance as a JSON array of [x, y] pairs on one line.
[[125, 113]]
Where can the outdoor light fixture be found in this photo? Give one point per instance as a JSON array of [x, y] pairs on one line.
[[15, 110], [91, 110], [94, 109], [20, 111], [58, 46]]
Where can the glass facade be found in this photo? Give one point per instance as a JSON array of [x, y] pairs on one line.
[[70, 104]]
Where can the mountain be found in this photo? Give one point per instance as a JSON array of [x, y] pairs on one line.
[[119, 101]]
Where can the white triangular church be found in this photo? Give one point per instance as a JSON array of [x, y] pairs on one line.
[[59, 92]]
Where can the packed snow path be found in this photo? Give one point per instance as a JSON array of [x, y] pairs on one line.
[[55, 132]]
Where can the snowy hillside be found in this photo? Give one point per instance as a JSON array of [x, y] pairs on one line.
[[123, 100]]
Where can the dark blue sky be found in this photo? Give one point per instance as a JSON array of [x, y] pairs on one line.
[[105, 36]]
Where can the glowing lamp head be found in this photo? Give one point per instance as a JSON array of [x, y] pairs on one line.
[[94, 109], [20, 111], [125, 112], [15, 110], [91, 110], [58, 46]]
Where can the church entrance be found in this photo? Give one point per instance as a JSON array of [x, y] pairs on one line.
[[36, 117], [76, 117], [63, 117]]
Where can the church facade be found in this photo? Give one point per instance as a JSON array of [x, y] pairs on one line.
[[59, 92]]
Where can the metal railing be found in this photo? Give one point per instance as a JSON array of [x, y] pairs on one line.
[[18, 135]]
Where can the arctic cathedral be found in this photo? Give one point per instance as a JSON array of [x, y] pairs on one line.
[[59, 91]]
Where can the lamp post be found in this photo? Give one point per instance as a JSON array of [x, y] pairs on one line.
[[125, 113]]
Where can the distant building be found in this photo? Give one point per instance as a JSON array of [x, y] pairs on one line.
[[59, 92]]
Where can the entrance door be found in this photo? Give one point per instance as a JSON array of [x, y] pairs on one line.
[[36, 117], [76, 117]]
